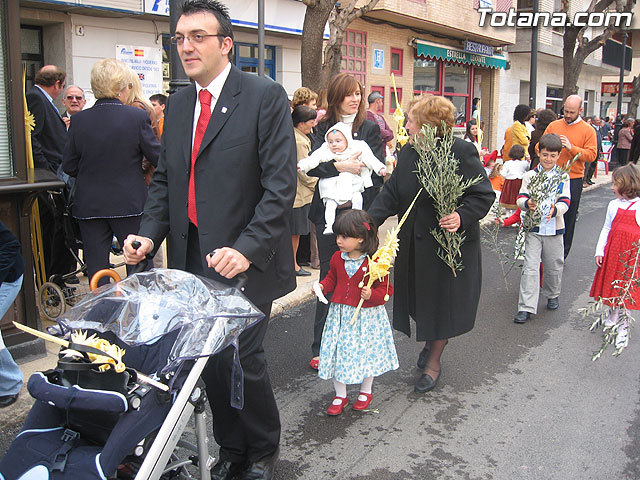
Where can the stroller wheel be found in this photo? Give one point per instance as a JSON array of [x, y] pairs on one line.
[[51, 300]]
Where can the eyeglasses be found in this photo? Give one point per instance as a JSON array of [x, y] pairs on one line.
[[77, 97], [195, 38]]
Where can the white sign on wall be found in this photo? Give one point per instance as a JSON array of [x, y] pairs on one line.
[[146, 62], [159, 7], [378, 58]]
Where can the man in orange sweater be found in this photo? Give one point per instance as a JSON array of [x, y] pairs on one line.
[[577, 137]]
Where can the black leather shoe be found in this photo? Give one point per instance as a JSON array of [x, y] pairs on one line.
[[262, 469], [426, 383], [224, 470], [422, 358], [6, 400], [302, 273], [553, 304], [521, 317]]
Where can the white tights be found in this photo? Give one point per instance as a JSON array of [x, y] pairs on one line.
[[341, 389]]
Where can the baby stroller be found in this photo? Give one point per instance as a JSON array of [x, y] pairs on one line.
[[90, 424]]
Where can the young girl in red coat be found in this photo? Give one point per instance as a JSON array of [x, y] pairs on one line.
[[355, 353], [615, 249]]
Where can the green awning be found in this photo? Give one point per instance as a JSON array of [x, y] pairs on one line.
[[453, 55]]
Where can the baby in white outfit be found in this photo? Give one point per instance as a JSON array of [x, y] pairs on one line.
[[334, 191]]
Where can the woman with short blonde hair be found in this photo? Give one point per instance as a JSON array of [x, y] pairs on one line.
[[109, 79], [442, 306], [107, 143], [433, 110]]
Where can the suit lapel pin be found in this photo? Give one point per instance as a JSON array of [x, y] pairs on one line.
[[223, 109]]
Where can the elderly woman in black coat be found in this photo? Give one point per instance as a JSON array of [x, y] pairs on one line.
[[443, 306], [106, 145]]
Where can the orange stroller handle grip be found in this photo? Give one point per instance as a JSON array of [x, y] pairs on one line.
[[106, 272]]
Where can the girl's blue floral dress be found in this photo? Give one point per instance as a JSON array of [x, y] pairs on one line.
[[351, 353]]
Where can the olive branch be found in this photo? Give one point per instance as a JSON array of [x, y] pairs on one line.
[[438, 174]]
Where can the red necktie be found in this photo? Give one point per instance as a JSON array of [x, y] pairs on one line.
[[201, 127]]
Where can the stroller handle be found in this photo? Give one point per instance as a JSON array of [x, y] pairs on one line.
[[241, 278]]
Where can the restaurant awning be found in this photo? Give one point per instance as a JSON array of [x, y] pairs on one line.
[[428, 50]]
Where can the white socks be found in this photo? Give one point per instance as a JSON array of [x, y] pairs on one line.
[[341, 389]]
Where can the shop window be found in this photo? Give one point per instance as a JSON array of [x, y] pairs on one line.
[[380, 90], [396, 61], [354, 54], [6, 165], [554, 99], [456, 88], [246, 58], [392, 102], [426, 76], [456, 78]]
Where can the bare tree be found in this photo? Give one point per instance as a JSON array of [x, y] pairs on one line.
[[576, 47], [316, 71], [632, 112]]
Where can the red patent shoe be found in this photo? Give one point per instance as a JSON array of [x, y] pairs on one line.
[[363, 404], [337, 409], [314, 363]]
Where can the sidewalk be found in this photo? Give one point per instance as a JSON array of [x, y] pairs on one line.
[[15, 414]]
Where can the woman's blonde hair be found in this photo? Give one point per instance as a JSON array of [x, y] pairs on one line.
[[109, 77], [135, 93], [433, 110], [302, 96]]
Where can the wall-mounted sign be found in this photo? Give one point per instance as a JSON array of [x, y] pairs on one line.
[[479, 48], [158, 7], [378, 58], [146, 62]]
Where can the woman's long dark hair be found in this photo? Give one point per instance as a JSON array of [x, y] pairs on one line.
[[471, 123], [340, 87]]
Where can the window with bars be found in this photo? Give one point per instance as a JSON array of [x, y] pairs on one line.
[[354, 54], [6, 164]]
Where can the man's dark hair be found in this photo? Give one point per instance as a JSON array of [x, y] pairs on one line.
[[48, 75], [220, 11], [550, 142], [158, 97]]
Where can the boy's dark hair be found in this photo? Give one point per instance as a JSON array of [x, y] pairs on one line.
[[158, 97], [627, 179], [550, 142], [220, 11], [516, 152], [302, 113], [358, 224]]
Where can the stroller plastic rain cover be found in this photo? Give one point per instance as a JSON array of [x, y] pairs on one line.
[[142, 308]]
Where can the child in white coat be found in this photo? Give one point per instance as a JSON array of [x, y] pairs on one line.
[[334, 191]]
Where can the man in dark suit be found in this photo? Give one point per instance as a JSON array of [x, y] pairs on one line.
[[222, 195], [48, 140]]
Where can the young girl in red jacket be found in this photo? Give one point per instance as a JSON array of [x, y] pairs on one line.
[[355, 353]]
